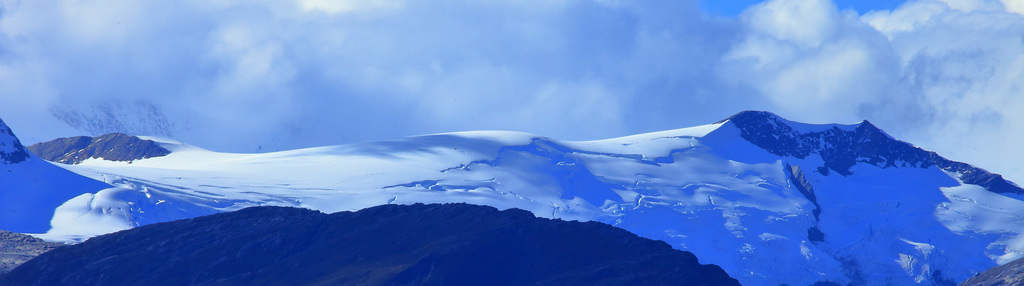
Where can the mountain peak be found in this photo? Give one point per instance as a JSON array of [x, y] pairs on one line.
[[865, 124], [865, 127], [843, 146], [753, 116], [11, 150]]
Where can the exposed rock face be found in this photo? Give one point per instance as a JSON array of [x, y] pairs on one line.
[[16, 248], [111, 147], [1010, 274], [453, 244], [840, 149], [11, 150]]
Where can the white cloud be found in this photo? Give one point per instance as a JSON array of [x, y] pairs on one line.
[[349, 6], [805, 23], [812, 61], [972, 5], [1016, 6], [907, 17]]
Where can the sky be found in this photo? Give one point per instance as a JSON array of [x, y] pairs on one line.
[[732, 8], [265, 75]]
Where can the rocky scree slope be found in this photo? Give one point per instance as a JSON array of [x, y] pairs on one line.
[[1010, 274], [16, 248]]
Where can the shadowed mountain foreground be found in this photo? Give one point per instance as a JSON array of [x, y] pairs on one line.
[[452, 244]]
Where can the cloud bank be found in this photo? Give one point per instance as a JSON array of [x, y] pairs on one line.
[[267, 75]]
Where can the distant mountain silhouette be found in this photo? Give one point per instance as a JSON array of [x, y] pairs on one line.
[[451, 244]]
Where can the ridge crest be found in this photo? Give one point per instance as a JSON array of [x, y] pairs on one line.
[[843, 146]]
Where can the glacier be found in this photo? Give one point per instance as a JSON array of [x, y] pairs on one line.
[[771, 201]]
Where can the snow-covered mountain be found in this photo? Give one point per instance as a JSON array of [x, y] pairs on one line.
[[31, 188], [11, 150], [770, 200]]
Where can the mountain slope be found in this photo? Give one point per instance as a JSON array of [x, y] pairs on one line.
[[453, 244], [1004, 275], [31, 189], [111, 147], [770, 200], [16, 248]]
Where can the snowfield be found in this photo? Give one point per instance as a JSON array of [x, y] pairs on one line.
[[766, 219], [31, 188]]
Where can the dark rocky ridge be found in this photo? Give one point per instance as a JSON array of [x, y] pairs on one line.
[[452, 244], [1010, 274], [11, 150], [841, 149], [16, 248], [111, 147]]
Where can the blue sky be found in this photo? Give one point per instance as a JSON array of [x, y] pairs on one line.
[[261, 75], [731, 8]]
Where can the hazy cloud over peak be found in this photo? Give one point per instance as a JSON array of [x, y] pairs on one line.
[[241, 75]]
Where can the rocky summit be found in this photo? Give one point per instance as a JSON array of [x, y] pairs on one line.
[[11, 150]]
